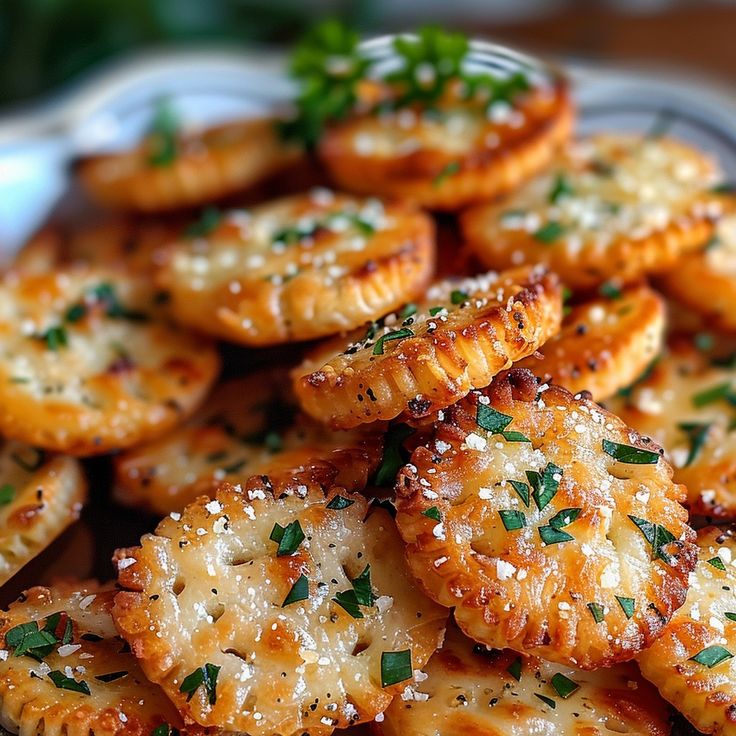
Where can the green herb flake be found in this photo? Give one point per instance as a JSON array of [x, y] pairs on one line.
[[395, 667], [7, 494], [408, 310], [75, 313], [545, 484], [628, 605], [432, 513], [522, 489], [549, 232], [68, 683], [630, 455], [209, 220], [163, 729], [548, 701], [163, 134], [512, 519], [55, 338], [717, 562], [449, 170], [28, 640], [206, 676], [550, 535], [514, 436], [394, 454], [361, 594], [730, 616], [560, 189], [712, 656], [288, 538], [597, 611], [609, 290], [711, 395], [514, 669], [338, 503], [491, 420], [564, 518], [299, 591], [111, 676], [704, 341], [697, 434], [389, 336], [563, 686], [657, 536]]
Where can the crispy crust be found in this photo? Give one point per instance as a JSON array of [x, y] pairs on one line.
[[33, 706], [487, 158], [604, 344], [509, 587], [228, 439], [209, 588], [505, 317], [636, 206], [45, 501], [705, 695], [471, 691], [209, 165], [664, 400], [243, 284], [706, 281], [117, 382]]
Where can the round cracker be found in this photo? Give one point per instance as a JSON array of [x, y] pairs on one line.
[[706, 281], [453, 156], [39, 498], [550, 526], [301, 267], [247, 426], [614, 206], [207, 165], [693, 663], [87, 364], [427, 356], [87, 682], [472, 690], [209, 588], [604, 344], [685, 403]]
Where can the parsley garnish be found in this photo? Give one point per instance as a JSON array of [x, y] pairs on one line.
[[514, 669], [710, 395], [288, 537], [730, 616], [396, 335], [432, 513], [338, 503], [561, 188], [627, 605], [395, 667], [551, 703], [549, 232], [208, 221], [111, 676], [697, 434], [491, 420], [163, 729], [656, 535], [450, 169], [522, 489], [27, 639], [553, 535], [55, 338], [630, 455], [394, 455], [408, 310], [717, 562], [360, 595], [512, 519], [68, 683], [597, 611], [711, 656], [458, 297], [299, 591], [609, 290], [7, 494], [545, 484], [163, 134], [206, 676], [564, 686]]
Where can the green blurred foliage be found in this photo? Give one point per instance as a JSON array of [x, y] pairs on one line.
[[46, 43]]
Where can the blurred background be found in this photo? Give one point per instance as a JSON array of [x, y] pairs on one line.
[[48, 43]]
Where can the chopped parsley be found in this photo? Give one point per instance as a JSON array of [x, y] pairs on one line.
[[408, 310], [450, 169], [206, 676], [514, 669], [545, 484], [549, 232], [730, 616], [553, 535], [163, 134], [30, 641], [712, 394], [628, 605], [548, 701], [68, 683], [522, 489], [432, 513], [563, 685], [609, 290], [630, 455], [288, 537], [458, 297], [361, 594], [491, 420], [55, 338], [338, 503], [395, 667], [111, 676], [717, 562], [712, 656], [657, 536], [163, 729], [7, 494], [395, 335], [299, 591], [560, 189], [208, 222], [394, 454], [697, 434], [597, 611], [512, 519]]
